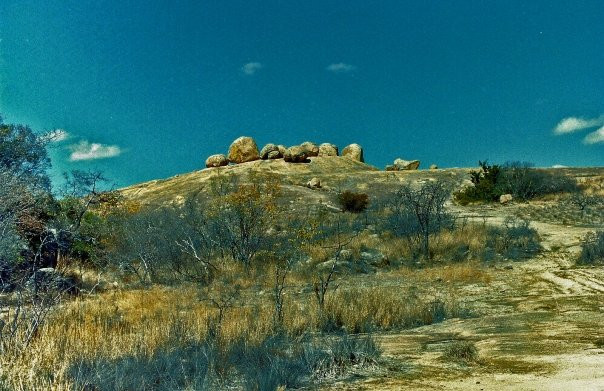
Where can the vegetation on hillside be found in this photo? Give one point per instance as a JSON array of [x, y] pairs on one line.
[[520, 179], [231, 287]]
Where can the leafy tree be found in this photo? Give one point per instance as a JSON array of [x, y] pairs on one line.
[[23, 154]]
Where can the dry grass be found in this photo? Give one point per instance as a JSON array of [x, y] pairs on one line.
[[117, 323], [459, 273]]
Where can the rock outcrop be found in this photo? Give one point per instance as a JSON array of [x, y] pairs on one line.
[[327, 149], [311, 149], [218, 160], [295, 154], [282, 149], [403, 165], [270, 151], [243, 150], [354, 152]]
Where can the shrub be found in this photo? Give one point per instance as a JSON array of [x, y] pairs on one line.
[[353, 202], [520, 179], [166, 369], [525, 182], [485, 182], [514, 240], [592, 250], [464, 351], [358, 349], [418, 214]]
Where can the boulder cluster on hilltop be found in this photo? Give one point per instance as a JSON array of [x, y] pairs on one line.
[[244, 149]]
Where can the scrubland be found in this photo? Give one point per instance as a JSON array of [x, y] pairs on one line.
[[259, 283]]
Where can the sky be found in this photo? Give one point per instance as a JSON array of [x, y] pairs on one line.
[[148, 89]]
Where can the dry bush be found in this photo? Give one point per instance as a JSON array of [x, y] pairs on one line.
[[353, 202], [464, 351]]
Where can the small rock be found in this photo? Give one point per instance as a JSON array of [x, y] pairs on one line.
[[242, 150], [505, 198], [354, 152], [433, 167], [327, 149], [314, 183], [218, 160]]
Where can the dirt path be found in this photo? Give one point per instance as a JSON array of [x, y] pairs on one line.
[[540, 328]]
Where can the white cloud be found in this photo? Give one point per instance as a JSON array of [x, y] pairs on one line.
[[559, 166], [56, 136], [575, 124], [595, 137], [251, 67], [340, 68], [85, 150]]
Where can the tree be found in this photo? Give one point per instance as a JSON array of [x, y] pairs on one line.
[[418, 213], [23, 154], [244, 218]]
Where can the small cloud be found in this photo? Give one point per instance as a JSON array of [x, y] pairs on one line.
[[340, 68], [56, 136], [559, 166], [595, 137], [575, 124], [85, 150], [251, 67]]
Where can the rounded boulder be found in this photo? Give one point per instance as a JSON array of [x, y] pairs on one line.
[[311, 149], [354, 152], [218, 160], [327, 149], [295, 154], [270, 151], [243, 150]]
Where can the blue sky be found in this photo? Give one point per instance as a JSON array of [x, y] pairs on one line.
[[149, 89]]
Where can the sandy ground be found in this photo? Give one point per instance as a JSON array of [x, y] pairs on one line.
[[538, 329]]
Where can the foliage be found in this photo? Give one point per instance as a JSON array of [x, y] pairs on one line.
[[517, 178], [23, 153], [514, 240], [353, 202], [525, 182], [275, 362], [484, 183], [592, 249], [419, 213]]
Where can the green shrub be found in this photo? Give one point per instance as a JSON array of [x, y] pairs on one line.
[[464, 351], [592, 250], [353, 202], [520, 179], [485, 187]]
